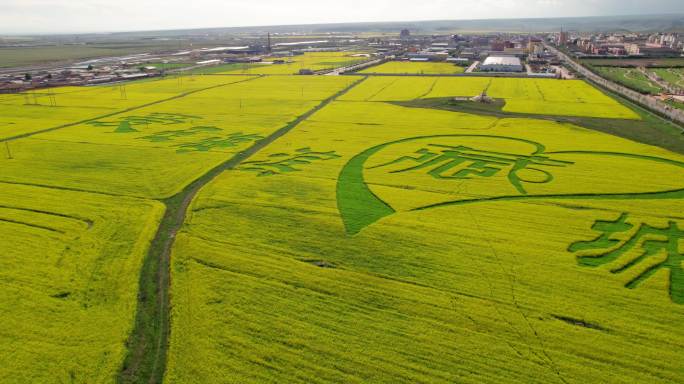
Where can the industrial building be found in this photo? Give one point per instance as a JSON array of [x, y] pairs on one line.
[[502, 64]]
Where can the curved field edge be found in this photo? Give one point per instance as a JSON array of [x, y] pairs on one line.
[[650, 129], [148, 343], [83, 252], [236, 268]]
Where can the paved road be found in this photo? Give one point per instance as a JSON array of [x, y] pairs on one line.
[[648, 101], [472, 67]]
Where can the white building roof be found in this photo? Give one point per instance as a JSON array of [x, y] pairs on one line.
[[502, 60]]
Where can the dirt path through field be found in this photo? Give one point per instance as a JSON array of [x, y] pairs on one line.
[[148, 343]]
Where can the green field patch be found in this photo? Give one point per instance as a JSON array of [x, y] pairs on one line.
[[466, 166], [232, 140], [151, 118], [171, 135], [69, 276], [630, 78], [648, 129], [125, 127], [643, 246], [280, 163]]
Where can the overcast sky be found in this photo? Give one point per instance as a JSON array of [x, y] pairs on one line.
[[48, 16]]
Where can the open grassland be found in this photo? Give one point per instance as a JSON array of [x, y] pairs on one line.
[[542, 96], [638, 62], [414, 68], [69, 276], [674, 76], [155, 150], [630, 78], [378, 243], [315, 61]]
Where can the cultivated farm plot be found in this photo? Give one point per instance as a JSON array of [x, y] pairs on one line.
[[533, 96], [315, 61], [69, 276], [39, 110], [377, 243], [372, 242], [414, 68], [153, 152]]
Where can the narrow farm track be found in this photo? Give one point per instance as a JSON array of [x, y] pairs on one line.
[[179, 96], [148, 343]]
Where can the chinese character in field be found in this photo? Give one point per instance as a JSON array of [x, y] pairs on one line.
[[279, 163], [232, 140], [151, 118], [647, 243], [171, 135], [461, 162]]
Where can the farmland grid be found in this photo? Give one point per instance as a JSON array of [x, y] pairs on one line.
[[72, 124], [145, 361], [153, 315]]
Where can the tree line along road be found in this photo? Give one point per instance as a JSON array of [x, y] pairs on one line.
[[650, 102]]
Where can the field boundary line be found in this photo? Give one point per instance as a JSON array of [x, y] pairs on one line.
[[56, 187], [147, 345], [175, 97]]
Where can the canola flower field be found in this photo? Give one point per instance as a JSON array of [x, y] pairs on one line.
[[314, 61], [414, 68], [344, 237], [80, 206]]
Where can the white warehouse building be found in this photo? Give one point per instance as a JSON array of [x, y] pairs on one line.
[[501, 64]]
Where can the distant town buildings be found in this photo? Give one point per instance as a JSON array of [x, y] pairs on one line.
[[492, 52], [621, 44]]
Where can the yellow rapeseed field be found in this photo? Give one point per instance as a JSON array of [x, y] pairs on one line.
[[78, 210], [314, 61], [531, 96], [414, 68], [358, 240], [69, 276], [377, 243]]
